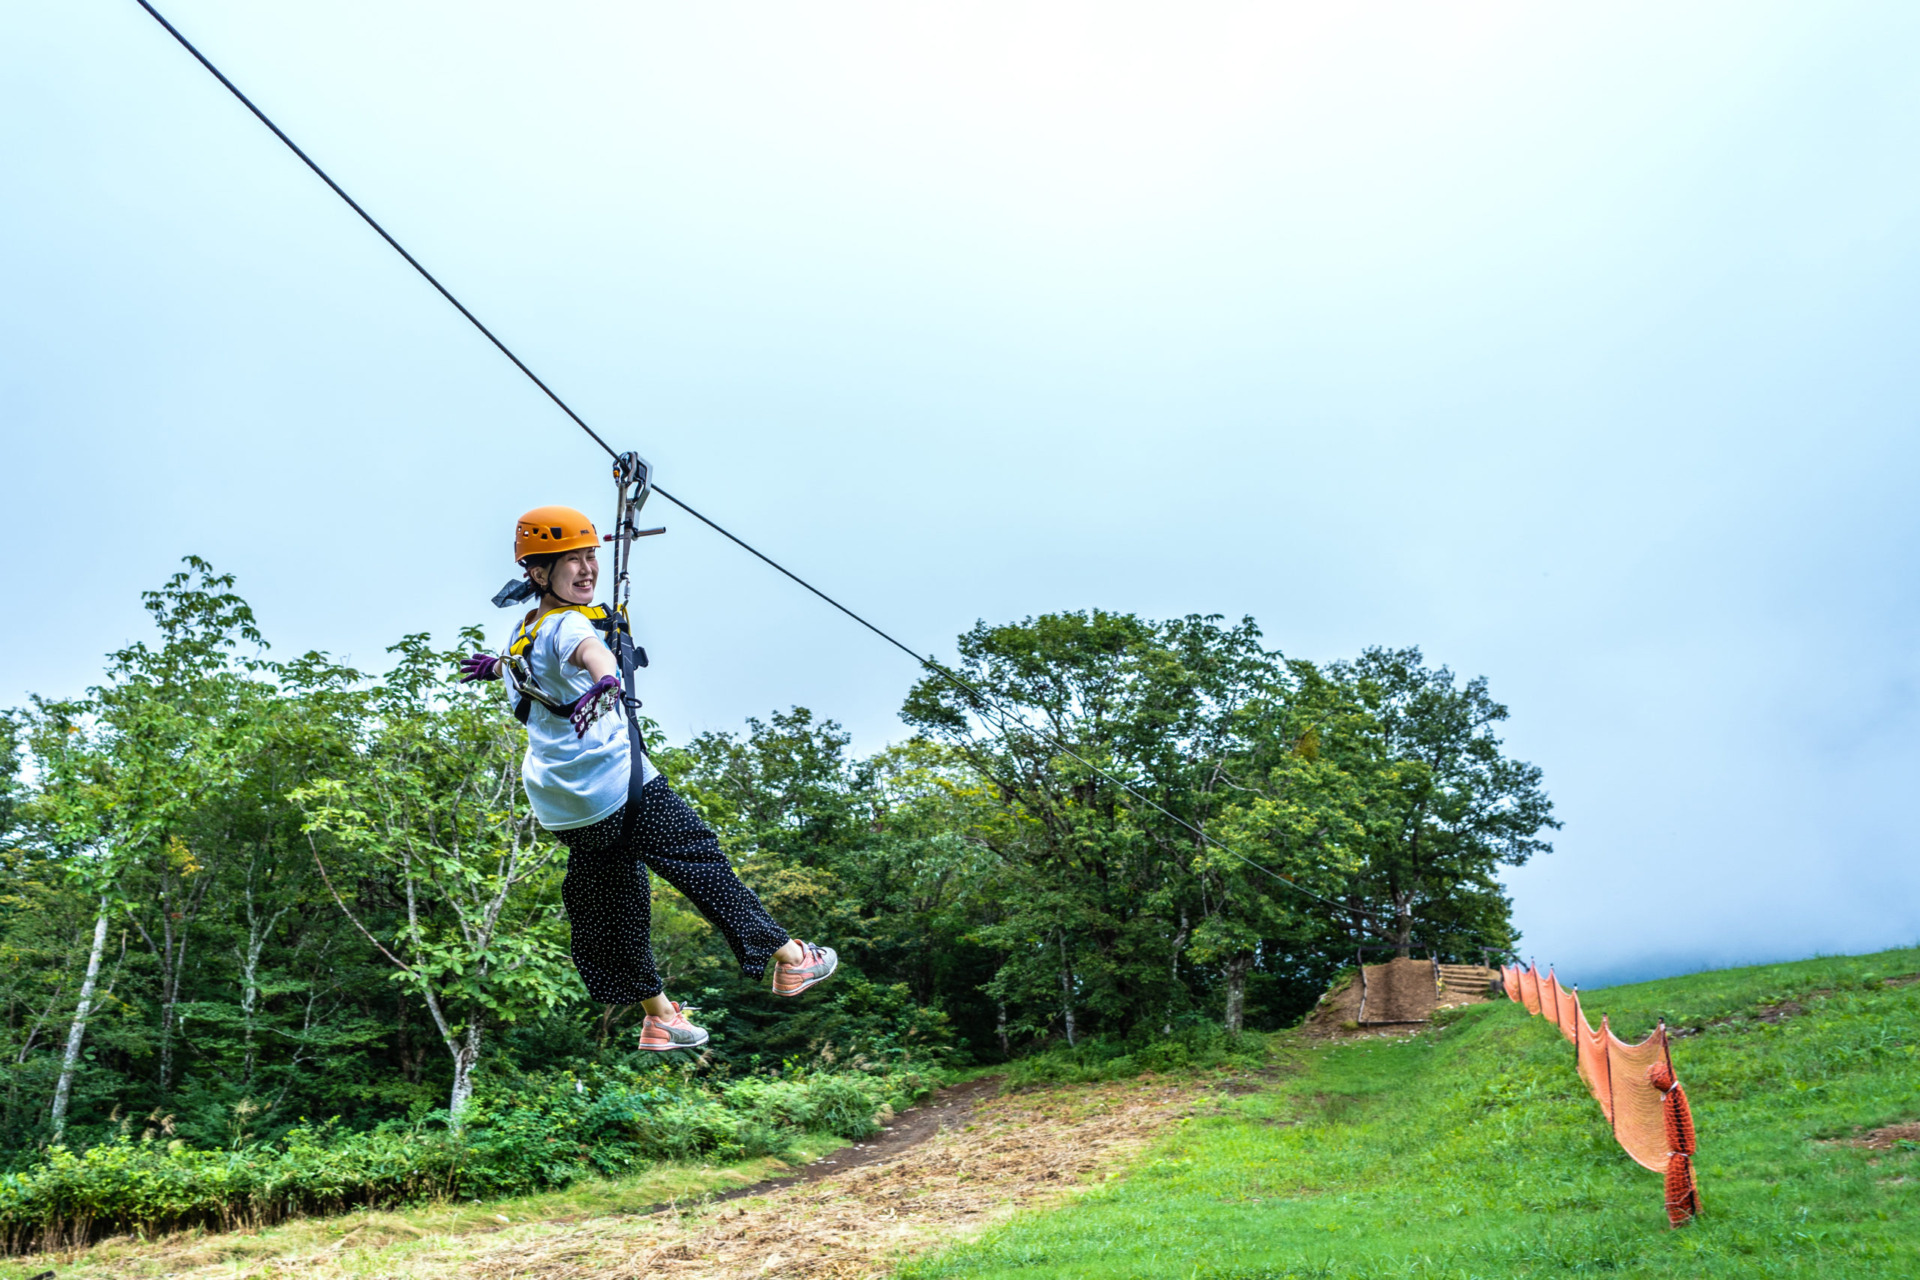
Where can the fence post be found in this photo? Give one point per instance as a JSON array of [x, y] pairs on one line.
[[1579, 1025], [1606, 1047]]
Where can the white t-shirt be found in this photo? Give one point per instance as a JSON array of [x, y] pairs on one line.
[[572, 781]]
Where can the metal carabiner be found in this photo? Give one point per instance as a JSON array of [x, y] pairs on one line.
[[634, 475], [633, 482]]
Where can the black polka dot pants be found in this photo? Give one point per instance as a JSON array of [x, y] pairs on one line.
[[609, 903]]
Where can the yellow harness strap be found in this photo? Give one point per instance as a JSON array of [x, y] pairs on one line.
[[522, 645]]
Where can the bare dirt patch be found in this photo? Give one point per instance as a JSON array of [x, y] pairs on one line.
[[943, 1177], [1015, 1152], [1339, 1007], [1886, 1138], [944, 1110], [1772, 1013]]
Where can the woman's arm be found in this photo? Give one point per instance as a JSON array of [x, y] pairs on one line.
[[593, 655]]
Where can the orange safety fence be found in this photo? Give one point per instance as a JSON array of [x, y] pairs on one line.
[[1633, 1083]]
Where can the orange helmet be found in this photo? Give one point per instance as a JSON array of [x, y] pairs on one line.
[[548, 529]]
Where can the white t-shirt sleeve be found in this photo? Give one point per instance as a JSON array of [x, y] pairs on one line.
[[568, 633]]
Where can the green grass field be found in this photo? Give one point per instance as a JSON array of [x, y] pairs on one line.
[[1474, 1151]]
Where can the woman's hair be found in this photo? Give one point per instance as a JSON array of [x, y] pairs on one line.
[[541, 560]]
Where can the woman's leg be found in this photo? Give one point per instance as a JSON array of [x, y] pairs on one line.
[[670, 837], [609, 907]]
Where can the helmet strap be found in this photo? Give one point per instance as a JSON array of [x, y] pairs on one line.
[[548, 593]]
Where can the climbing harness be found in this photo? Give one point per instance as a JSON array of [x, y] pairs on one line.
[[634, 477], [553, 529], [614, 632]]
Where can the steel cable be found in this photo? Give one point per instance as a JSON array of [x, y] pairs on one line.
[[929, 664]]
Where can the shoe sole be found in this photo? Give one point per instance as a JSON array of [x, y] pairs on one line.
[[808, 984]]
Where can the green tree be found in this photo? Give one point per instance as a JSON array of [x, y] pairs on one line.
[[1096, 892], [431, 812], [794, 816], [927, 874], [12, 790], [870, 855], [126, 773], [278, 992], [1440, 807]]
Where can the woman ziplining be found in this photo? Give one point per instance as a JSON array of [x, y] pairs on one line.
[[591, 784], [634, 478]]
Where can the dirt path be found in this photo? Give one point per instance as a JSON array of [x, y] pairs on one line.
[[945, 1171], [1013, 1153], [945, 1109]]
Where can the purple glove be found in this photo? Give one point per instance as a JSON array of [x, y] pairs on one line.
[[481, 666], [594, 703]]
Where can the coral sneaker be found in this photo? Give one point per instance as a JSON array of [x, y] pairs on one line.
[[673, 1032], [817, 966]]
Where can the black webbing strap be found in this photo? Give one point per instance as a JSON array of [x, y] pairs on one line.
[[524, 707], [629, 657]]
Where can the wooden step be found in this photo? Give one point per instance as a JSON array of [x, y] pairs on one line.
[[1468, 980], [1451, 973]]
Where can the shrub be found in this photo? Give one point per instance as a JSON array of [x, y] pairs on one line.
[[1197, 1046], [869, 1027], [518, 1136]]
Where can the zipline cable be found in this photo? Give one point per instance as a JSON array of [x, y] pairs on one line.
[[926, 662], [368, 218], [1005, 714]]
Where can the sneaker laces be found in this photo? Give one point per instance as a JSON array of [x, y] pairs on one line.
[[679, 1011]]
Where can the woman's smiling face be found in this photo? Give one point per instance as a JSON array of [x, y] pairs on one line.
[[574, 575]]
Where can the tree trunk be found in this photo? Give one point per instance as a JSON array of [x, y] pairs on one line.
[[1066, 990], [249, 1004], [1000, 1031], [1403, 924], [63, 1090], [466, 1052], [1237, 969], [1173, 969], [463, 1047], [257, 934], [177, 913], [1179, 945]]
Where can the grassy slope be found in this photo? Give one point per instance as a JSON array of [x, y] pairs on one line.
[[1476, 1152]]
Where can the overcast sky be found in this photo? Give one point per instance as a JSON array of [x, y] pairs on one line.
[[1574, 344]]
